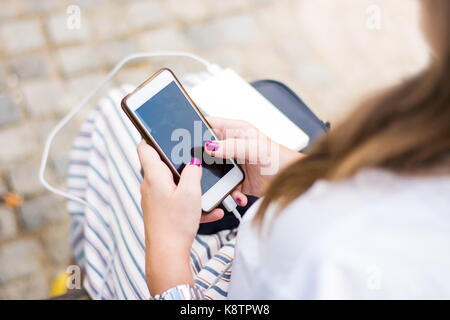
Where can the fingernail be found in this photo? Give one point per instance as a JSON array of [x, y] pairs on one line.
[[212, 145], [239, 201], [195, 162]]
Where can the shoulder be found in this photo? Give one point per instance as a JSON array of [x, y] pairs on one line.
[[371, 203]]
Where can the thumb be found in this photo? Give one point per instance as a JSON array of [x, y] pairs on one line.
[[191, 176]]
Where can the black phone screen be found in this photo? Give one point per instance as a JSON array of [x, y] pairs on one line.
[[181, 133]]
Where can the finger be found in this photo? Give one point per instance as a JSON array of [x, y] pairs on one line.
[[240, 198], [213, 216], [240, 149], [230, 128], [191, 176], [155, 171]]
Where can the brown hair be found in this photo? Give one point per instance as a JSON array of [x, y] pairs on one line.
[[405, 130]]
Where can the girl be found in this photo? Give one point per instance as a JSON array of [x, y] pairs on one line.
[[365, 215]]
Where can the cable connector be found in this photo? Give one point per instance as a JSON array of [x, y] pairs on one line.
[[231, 206]]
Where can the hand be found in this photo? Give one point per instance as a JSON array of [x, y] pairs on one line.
[[171, 219], [259, 156]]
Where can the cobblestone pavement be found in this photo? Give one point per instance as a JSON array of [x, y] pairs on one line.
[[331, 52]]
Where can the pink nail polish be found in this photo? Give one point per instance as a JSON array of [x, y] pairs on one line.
[[195, 162], [239, 201], [212, 145]]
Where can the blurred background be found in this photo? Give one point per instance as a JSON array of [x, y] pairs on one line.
[[332, 53]]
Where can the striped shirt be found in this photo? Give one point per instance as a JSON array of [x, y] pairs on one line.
[[108, 243]]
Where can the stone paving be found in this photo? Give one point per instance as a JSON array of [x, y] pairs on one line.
[[331, 52]]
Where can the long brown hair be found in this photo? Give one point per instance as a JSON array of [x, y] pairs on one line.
[[405, 130]]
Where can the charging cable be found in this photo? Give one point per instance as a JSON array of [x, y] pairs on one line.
[[231, 206], [229, 203]]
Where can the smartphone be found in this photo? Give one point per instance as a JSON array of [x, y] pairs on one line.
[[169, 120]]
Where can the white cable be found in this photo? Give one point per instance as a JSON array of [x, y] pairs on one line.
[[231, 206], [212, 68]]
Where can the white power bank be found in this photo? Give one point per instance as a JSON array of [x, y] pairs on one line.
[[227, 95]]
